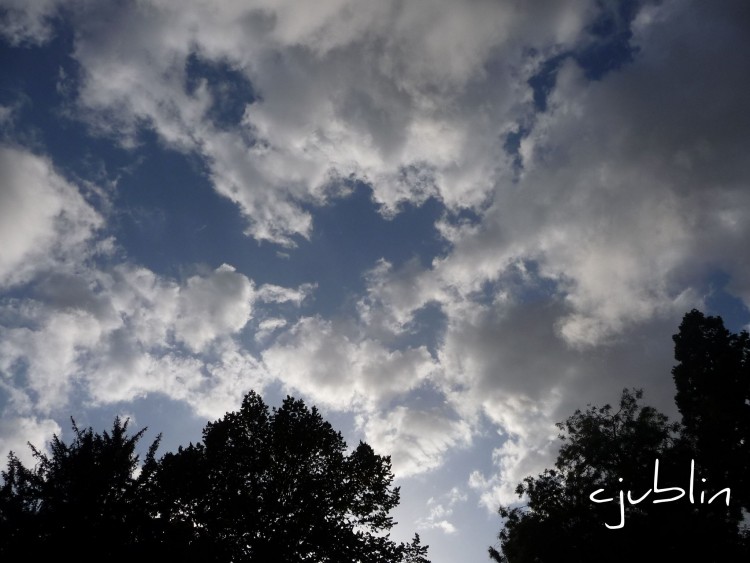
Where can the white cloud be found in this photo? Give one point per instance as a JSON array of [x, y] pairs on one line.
[[629, 196], [116, 336], [209, 307], [210, 387], [443, 525], [396, 95], [417, 439], [267, 327], [44, 220], [230, 377], [197, 313], [440, 512], [271, 293], [335, 368], [17, 432], [515, 460], [627, 199]]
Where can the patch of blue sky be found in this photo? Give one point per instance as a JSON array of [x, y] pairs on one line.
[[168, 215], [722, 302], [512, 145], [350, 235], [39, 83], [543, 81], [165, 213], [522, 282], [34, 71], [426, 328], [606, 48], [230, 89], [426, 396]]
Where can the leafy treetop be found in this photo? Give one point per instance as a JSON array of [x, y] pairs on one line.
[[263, 485], [616, 450]]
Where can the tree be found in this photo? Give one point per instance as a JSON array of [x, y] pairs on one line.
[[82, 498], [279, 486], [615, 452], [713, 396], [263, 485]]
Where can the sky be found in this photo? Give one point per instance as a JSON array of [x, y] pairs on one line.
[[448, 224]]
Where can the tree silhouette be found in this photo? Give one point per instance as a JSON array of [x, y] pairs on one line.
[[713, 397], [84, 497], [615, 451], [262, 485], [279, 486]]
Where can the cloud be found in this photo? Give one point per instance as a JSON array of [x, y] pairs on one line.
[[417, 439], [394, 294], [271, 293], [212, 306], [588, 259], [45, 222], [211, 387], [17, 432], [627, 198], [386, 94], [128, 332], [337, 369], [267, 327], [159, 312], [27, 22], [613, 213], [439, 512]]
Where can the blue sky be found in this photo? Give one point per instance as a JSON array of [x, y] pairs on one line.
[[447, 224]]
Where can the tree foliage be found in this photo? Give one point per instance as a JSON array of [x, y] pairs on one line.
[[616, 450], [713, 396], [84, 495], [262, 485]]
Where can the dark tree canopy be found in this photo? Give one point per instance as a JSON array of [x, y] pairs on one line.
[[263, 485], [560, 522], [84, 497], [713, 397]]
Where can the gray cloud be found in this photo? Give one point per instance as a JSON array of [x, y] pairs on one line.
[[24, 23], [633, 191]]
